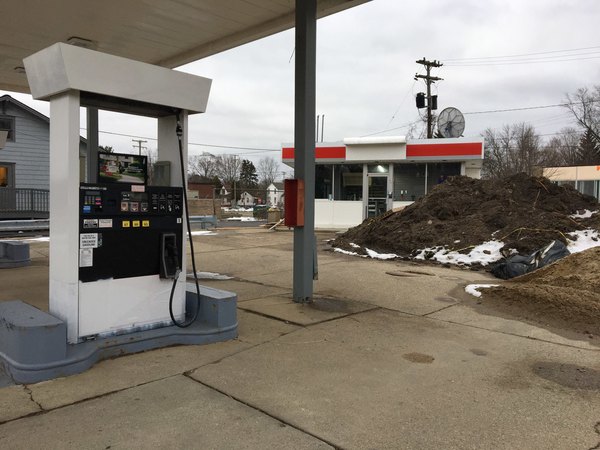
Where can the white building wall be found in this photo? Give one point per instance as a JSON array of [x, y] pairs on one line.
[[337, 214], [473, 172]]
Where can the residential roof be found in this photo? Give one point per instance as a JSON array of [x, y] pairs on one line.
[[167, 33], [7, 98]]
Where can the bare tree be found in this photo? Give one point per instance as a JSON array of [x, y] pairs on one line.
[[562, 149], [227, 168], [511, 150], [203, 165], [268, 169], [585, 107]]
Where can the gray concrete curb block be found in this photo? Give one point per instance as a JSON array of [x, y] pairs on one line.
[[33, 345], [14, 254]]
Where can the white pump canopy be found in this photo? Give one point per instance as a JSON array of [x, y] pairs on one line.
[[106, 80]]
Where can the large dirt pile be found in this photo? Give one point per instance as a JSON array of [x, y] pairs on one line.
[[565, 294], [524, 212]]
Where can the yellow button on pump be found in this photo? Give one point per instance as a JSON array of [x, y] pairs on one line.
[[125, 224]]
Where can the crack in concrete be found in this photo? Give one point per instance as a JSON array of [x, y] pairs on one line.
[[265, 412], [30, 393], [441, 309], [597, 430], [83, 400]]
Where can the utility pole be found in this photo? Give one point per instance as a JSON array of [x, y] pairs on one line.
[[139, 143], [429, 80]]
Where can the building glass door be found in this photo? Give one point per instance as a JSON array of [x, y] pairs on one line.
[[377, 198]]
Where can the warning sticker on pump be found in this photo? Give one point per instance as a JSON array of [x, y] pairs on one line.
[[90, 223], [86, 257], [88, 240], [105, 223]]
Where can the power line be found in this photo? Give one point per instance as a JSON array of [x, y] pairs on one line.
[[509, 63], [490, 111], [189, 143], [392, 129], [523, 54]]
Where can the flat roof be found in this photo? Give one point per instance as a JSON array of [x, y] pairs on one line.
[[168, 33]]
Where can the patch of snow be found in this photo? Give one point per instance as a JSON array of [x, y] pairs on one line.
[[473, 288], [584, 215], [203, 233], [457, 241], [584, 239], [237, 209], [346, 252], [210, 276], [242, 219], [353, 245], [373, 254], [484, 254]]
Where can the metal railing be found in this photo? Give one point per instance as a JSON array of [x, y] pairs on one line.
[[19, 203]]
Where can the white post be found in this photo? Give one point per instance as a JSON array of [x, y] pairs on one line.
[[64, 210]]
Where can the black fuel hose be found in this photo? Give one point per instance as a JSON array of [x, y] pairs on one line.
[[184, 324]]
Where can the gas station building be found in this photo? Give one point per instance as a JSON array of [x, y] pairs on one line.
[[363, 177]]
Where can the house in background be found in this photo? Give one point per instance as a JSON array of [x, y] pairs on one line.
[[275, 194], [200, 188], [25, 160], [246, 199]]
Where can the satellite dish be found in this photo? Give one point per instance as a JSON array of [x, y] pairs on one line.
[[451, 123]]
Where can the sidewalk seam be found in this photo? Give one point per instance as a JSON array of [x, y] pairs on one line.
[[487, 329], [263, 411], [331, 319]]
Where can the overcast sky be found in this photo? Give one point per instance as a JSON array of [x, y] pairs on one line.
[[366, 65]]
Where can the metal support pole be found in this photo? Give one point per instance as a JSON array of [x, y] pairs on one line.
[[304, 143], [92, 144]]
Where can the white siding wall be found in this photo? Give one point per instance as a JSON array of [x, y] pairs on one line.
[[29, 152], [337, 214]]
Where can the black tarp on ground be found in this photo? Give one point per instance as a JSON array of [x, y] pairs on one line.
[[517, 265]]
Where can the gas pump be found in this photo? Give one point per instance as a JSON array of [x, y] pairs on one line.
[[127, 232], [118, 265]]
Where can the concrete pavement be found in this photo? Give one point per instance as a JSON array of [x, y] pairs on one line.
[[391, 355]]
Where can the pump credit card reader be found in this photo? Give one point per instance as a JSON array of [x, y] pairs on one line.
[[129, 231]]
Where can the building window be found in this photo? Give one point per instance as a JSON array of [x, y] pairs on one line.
[[7, 175], [409, 182], [348, 180], [323, 181], [7, 123], [437, 173]]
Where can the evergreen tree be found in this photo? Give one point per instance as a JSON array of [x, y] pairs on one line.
[[588, 150], [248, 175]]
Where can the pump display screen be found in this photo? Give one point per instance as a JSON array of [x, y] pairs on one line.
[[122, 168]]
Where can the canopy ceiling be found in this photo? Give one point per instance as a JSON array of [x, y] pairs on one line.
[[168, 33]]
